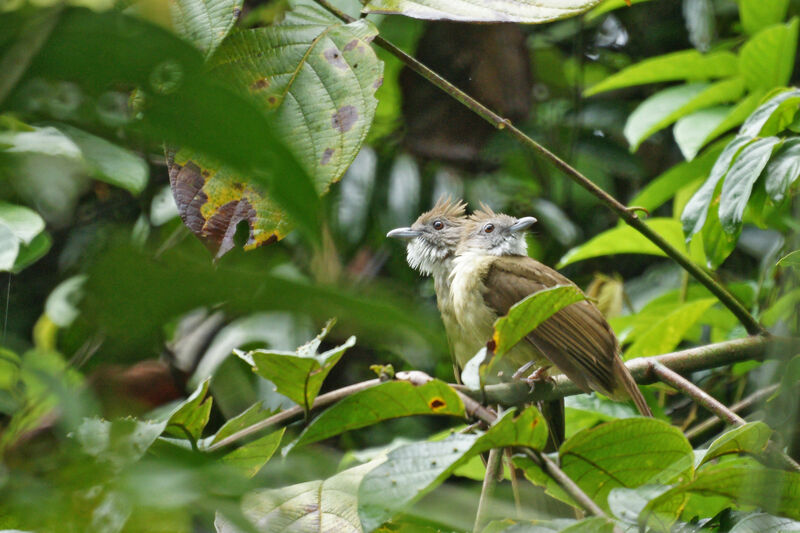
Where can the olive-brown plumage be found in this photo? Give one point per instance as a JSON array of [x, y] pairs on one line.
[[492, 272]]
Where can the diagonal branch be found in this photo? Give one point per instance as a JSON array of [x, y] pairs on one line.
[[627, 214]]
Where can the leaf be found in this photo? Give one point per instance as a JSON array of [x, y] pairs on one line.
[[696, 210], [765, 523], [791, 259], [299, 377], [626, 240], [626, 453], [22, 240], [324, 505], [750, 438], [190, 417], [767, 112], [118, 443], [756, 15], [411, 471], [525, 11], [742, 483], [251, 457], [694, 130], [526, 315], [24, 223], [667, 328], [717, 243], [685, 65], [608, 6], [783, 169], [9, 248], [61, 305], [393, 399], [739, 181], [767, 59], [204, 22], [626, 504], [255, 413], [30, 253]]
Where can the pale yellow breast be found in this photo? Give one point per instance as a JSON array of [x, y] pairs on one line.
[[475, 321]]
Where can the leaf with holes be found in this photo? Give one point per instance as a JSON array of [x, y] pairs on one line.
[[204, 22], [388, 400], [526, 11]]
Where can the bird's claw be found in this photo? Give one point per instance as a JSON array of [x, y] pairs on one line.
[[538, 376]]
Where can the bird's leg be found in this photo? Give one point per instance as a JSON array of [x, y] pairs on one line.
[[522, 370], [539, 375]]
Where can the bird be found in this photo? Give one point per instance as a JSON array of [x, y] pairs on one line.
[[432, 241], [491, 272]]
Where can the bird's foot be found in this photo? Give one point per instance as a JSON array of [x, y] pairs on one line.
[[538, 376]]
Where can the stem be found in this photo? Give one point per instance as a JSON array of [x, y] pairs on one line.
[[754, 398], [671, 377], [489, 482], [628, 215]]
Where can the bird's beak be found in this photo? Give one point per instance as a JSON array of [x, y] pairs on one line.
[[522, 224], [403, 233]]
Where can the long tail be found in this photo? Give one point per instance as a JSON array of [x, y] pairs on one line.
[[624, 378]]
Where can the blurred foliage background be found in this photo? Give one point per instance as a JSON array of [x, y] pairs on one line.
[[112, 308]]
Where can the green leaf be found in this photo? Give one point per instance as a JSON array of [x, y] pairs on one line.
[[526, 315], [694, 130], [204, 22], [190, 417], [411, 471], [526, 11], [667, 106], [393, 399], [750, 438], [585, 411], [736, 116], [685, 65], [9, 248], [743, 483], [739, 181], [767, 59], [23, 222], [664, 328], [696, 210], [608, 6], [664, 187], [783, 169], [61, 305], [251, 457], [654, 112], [118, 443], [785, 308], [298, 376], [717, 243], [756, 15], [765, 523], [255, 413], [108, 162], [791, 259], [626, 453], [764, 119], [323, 505], [626, 240], [30, 253]]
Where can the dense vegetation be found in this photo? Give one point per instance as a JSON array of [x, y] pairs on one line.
[[204, 326]]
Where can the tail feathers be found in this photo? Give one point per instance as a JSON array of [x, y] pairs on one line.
[[624, 378]]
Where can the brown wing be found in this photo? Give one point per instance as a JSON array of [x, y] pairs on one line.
[[576, 339]]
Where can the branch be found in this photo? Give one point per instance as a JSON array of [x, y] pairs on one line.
[[493, 466], [693, 359], [627, 214], [741, 405]]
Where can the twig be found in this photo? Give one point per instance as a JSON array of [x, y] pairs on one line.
[[294, 412], [627, 214], [712, 422], [493, 465], [700, 358], [671, 377]]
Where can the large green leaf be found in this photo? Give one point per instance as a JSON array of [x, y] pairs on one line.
[[626, 240], [684, 65], [765, 523], [22, 237], [204, 22], [739, 181], [526, 11], [694, 130], [525, 315], [24, 223], [767, 59], [767, 118], [251, 457], [311, 507], [750, 438], [756, 15], [388, 400], [415, 469], [662, 330], [783, 169]]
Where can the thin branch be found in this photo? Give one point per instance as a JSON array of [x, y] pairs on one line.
[[741, 405], [693, 359], [627, 214], [493, 465], [671, 377]]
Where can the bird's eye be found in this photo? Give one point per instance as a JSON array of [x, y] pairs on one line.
[[438, 224], [488, 228]]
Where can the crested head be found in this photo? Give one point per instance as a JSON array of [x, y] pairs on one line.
[[488, 233], [434, 236]]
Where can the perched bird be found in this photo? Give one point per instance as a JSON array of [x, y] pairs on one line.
[[492, 271], [432, 242]]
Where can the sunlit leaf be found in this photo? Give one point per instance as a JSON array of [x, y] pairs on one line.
[[9, 248], [756, 15], [685, 65], [767, 117], [388, 400], [204, 22], [251, 457], [750, 438], [415, 469], [766, 59], [24, 223], [783, 169], [693, 131], [528, 313], [527, 11], [662, 329]]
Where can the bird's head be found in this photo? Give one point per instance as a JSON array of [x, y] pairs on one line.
[[488, 233], [434, 236]]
